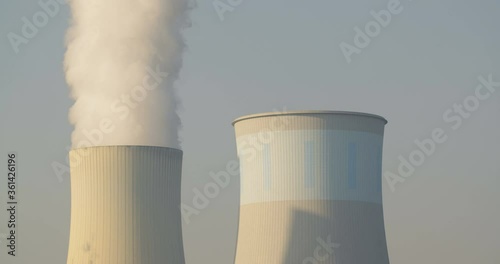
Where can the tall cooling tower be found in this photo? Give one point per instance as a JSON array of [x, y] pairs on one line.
[[311, 188], [125, 205]]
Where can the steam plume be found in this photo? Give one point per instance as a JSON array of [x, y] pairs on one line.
[[123, 58]]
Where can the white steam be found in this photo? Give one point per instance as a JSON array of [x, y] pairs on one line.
[[121, 64]]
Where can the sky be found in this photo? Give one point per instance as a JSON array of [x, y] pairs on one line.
[[262, 56]]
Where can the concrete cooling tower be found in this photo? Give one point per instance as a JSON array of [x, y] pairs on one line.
[[311, 188], [125, 205]]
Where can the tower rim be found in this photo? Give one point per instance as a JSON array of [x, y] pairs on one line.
[[308, 112]]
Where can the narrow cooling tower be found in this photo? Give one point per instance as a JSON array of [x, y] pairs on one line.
[[125, 205], [311, 188]]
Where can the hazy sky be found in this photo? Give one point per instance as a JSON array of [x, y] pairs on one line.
[[268, 55]]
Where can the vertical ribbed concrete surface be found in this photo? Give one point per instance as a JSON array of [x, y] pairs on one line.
[[311, 189], [125, 206]]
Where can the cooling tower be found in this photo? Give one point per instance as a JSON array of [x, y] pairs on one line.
[[125, 205], [311, 188]]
